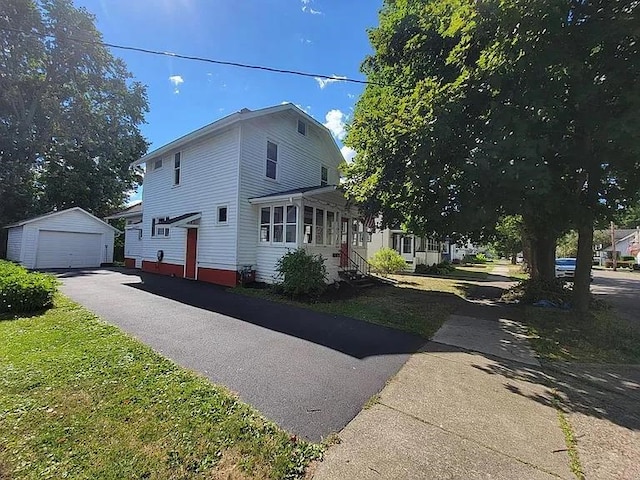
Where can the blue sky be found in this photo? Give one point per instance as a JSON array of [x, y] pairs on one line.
[[320, 36]]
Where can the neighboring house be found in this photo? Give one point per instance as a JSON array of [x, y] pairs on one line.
[[132, 234], [627, 242], [70, 238], [414, 249], [457, 251], [236, 195]]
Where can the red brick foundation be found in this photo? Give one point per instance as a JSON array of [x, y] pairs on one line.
[[228, 278], [163, 268], [130, 262]]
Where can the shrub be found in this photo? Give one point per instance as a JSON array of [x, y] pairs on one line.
[[302, 274], [442, 268], [531, 291], [22, 291], [478, 258], [386, 261]]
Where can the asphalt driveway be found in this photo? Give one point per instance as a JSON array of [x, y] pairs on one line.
[[310, 372]]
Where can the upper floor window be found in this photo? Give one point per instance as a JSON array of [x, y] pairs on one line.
[[222, 214], [272, 159], [157, 164], [176, 169], [302, 127], [324, 176]]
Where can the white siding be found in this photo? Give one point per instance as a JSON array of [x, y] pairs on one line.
[[14, 244], [300, 159], [208, 180], [132, 243]]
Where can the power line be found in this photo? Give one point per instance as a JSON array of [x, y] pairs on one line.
[[335, 78]]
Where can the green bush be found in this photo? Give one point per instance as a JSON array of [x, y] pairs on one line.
[[442, 268], [302, 274], [386, 261], [22, 291], [475, 259]]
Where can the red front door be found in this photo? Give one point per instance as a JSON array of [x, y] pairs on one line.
[[344, 242], [192, 247]]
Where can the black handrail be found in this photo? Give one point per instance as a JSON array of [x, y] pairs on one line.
[[356, 261]]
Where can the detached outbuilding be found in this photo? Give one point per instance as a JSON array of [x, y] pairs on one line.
[[70, 238]]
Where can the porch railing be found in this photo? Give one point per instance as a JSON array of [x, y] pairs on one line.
[[352, 260]]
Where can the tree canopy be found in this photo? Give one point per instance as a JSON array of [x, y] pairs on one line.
[[69, 113], [481, 109]]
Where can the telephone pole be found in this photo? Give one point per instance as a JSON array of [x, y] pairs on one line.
[[613, 247]]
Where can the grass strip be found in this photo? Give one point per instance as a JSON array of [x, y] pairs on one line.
[[80, 399], [596, 337], [410, 306]]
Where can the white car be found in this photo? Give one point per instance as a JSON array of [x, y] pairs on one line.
[[566, 268]]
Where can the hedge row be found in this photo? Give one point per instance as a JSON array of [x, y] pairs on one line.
[[23, 291]]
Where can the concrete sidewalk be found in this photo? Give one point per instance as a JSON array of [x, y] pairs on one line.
[[472, 405]]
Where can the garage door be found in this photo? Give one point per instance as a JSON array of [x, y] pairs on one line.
[[68, 249]]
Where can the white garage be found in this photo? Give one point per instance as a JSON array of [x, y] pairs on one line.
[[70, 238]]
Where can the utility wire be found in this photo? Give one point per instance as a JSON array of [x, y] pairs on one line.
[[207, 60]]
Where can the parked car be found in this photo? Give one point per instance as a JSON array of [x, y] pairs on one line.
[[565, 268]]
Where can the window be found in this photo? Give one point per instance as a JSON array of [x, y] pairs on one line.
[[324, 176], [272, 159], [406, 244], [331, 218], [357, 233], [319, 226], [159, 230], [278, 224], [176, 169], [277, 227], [291, 228], [157, 164], [302, 127], [433, 245], [421, 244], [308, 225], [222, 214], [265, 223]]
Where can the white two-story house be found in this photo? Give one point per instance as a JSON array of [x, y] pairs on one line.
[[234, 196]]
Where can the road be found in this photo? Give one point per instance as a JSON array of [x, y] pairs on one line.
[[621, 289]]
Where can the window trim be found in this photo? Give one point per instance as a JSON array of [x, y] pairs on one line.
[[177, 170], [226, 221], [274, 161], [285, 223]]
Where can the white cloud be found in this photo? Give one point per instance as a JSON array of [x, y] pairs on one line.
[[323, 82], [307, 8], [336, 123], [351, 95], [177, 80], [348, 153]]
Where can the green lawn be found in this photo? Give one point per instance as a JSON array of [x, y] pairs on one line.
[[80, 399], [597, 337], [417, 304]]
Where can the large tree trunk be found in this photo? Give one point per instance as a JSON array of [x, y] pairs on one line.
[[543, 253], [540, 248], [582, 282]]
